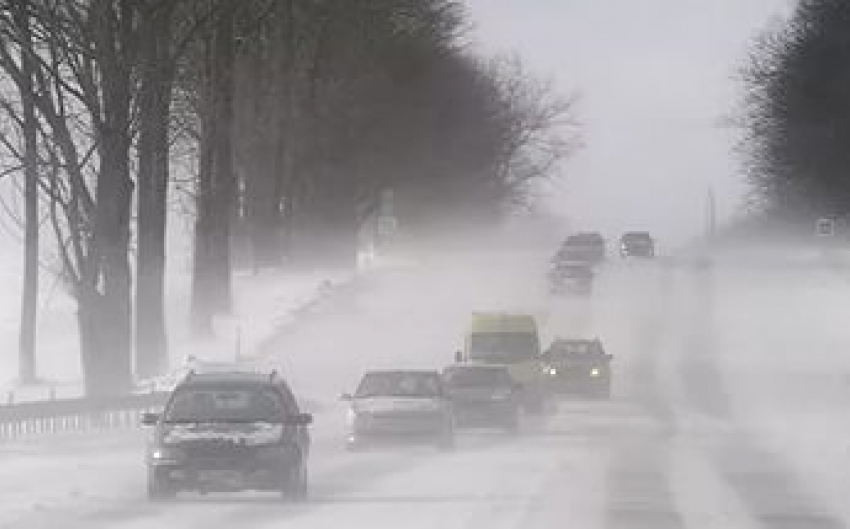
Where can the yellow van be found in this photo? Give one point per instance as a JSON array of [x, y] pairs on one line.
[[511, 340]]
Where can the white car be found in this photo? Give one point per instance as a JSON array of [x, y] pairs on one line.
[[400, 406]]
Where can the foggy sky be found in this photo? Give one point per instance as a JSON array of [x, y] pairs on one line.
[[655, 77]]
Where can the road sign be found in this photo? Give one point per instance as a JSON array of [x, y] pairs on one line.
[[825, 227]]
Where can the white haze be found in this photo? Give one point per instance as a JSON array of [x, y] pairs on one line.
[[730, 384], [714, 376], [656, 78]]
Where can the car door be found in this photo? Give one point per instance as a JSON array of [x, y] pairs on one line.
[[443, 397]]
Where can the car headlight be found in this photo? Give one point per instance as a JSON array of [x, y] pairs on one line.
[[355, 415], [595, 372], [163, 453]]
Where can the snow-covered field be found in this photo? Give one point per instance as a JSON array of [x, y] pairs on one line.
[[263, 303], [731, 391]]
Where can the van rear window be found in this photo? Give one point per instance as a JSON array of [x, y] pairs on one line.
[[503, 347]]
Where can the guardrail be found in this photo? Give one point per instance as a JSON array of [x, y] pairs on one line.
[[20, 418], [78, 414]]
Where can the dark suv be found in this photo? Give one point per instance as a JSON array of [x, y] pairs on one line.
[[483, 396], [587, 248], [579, 366], [637, 244], [223, 432]]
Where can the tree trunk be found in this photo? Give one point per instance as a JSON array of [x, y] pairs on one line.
[[285, 178], [216, 190], [224, 180], [108, 315], [29, 299], [327, 227], [202, 277], [111, 332], [262, 211], [259, 102], [153, 150], [341, 217], [102, 325]]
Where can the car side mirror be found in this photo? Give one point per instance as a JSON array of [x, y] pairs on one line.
[[609, 357], [348, 397], [150, 419], [458, 356], [302, 419]]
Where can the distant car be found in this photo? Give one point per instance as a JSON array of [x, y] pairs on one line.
[[227, 432], [578, 366], [586, 247], [637, 244], [569, 277], [483, 396], [400, 406]]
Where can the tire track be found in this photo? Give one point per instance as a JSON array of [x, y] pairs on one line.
[[772, 492], [639, 490]]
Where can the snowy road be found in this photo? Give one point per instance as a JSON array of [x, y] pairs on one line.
[[729, 412]]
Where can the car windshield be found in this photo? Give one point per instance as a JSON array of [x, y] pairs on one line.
[[572, 348], [575, 270], [584, 240], [637, 238], [224, 405], [477, 377], [503, 347], [398, 384]]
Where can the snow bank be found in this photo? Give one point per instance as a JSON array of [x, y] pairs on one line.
[[262, 303]]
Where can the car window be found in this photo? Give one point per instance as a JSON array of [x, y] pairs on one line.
[[225, 405], [637, 237], [466, 377], [399, 385], [501, 347], [290, 403]]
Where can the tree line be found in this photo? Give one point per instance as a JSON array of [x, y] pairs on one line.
[[296, 117], [795, 115]]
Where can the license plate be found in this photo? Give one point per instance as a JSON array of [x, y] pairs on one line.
[[218, 475], [177, 474]]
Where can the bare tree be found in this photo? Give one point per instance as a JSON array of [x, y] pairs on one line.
[[211, 287], [360, 98], [27, 334], [83, 66], [794, 114], [157, 71]]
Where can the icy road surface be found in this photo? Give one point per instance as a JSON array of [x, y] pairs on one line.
[[730, 411]]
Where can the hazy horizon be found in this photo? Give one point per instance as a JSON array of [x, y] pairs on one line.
[[655, 79]]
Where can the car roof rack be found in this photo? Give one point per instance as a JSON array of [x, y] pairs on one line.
[[213, 368]]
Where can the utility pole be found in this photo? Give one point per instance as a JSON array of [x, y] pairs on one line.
[[711, 214]]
